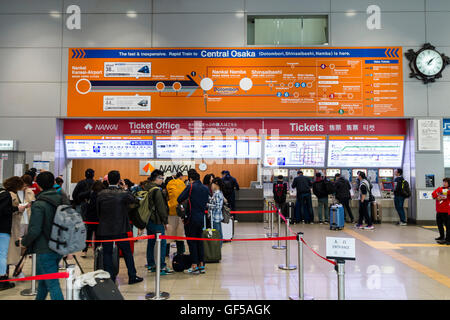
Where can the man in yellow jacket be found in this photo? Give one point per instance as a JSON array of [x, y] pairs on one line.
[[176, 227]]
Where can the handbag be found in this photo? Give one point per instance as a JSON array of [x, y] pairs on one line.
[[184, 208]]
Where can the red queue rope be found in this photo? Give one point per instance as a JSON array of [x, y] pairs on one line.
[[125, 239], [328, 260], [49, 276], [207, 239]]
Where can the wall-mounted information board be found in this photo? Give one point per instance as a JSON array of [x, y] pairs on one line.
[[294, 151], [365, 151], [117, 147]]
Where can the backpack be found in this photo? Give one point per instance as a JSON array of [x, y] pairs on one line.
[[280, 193], [140, 212], [228, 187], [405, 190], [4, 200], [184, 209], [330, 187], [369, 189], [68, 234]]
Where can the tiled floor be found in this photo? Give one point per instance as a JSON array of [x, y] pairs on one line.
[[249, 270]]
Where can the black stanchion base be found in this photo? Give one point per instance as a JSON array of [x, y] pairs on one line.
[[27, 292], [162, 296], [305, 297], [289, 267]]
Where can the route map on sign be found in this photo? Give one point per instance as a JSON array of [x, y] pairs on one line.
[[294, 152], [235, 82], [367, 152]]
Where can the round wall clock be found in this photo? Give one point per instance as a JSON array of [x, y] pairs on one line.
[[427, 63]]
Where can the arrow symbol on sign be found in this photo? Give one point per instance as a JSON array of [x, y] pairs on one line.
[[88, 127]]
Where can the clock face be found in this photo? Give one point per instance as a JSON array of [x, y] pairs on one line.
[[429, 62]]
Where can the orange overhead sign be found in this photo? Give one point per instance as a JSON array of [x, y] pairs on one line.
[[235, 82]]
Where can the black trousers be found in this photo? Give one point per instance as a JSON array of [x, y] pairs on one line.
[[346, 204], [91, 229], [364, 213], [196, 248], [443, 220], [127, 255]]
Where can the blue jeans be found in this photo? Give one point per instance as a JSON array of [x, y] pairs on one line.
[[153, 229], [399, 203], [323, 203], [48, 263], [305, 207], [218, 227], [4, 246]]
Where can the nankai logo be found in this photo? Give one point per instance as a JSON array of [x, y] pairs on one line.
[[226, 90], [102, 127]]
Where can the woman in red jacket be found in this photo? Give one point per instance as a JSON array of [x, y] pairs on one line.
[[442, 196]]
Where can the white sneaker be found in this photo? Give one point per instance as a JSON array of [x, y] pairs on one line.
[[402, 224]]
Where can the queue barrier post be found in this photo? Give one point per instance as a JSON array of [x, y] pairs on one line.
[[157, 295], [32, 290], [301, 275], [69, 282], [278, 246], [340, 270], [271, 234], [266, 216], [287, 265]]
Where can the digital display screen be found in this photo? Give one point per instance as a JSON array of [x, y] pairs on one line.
[[370, 152], [295, 152], [179, 148], [355, 172], [308, 172], [384, 173], [332, 172], [108, 147], [388, 186], [447, 151]]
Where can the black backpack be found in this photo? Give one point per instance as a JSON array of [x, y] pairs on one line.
[[181, 262], [5, 200], [228, 187], [405, 190], [280, 192]]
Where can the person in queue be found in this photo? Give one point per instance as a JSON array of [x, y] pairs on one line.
[[230, 186], [342, 191], [39, 231], [7, 210], [29, 197], [399, 199], [91, 216], [215, 205], [34, 187], [58, 186], [321, 192], [158, 221], [83, 189], [14, 185], [207, 181], [112, 212], [442, 197], [176, 227], [304, 210], [198, 196], [280, 190], [364, 193]]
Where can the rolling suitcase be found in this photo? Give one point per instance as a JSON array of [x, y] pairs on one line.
[[98, 259], [105, 289], [337, 218], [228, 230], [212, 249], [129, 235], [376, 212]]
